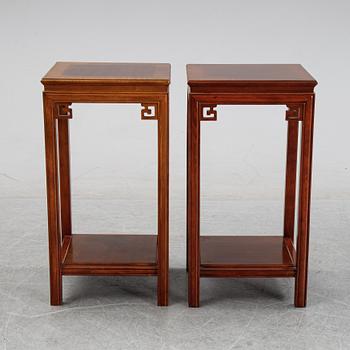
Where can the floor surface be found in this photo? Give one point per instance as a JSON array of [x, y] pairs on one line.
[[121, 312]]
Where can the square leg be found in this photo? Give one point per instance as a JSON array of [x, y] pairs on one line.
[[64, 171], [304, 205], [53, 203], [291, 179], [193, 202], [163, 202]]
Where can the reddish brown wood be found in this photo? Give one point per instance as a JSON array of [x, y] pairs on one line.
[[193, 204], [109, 73], [289, 245], [304, 204], [163, 201], [107, 77], [65, 246], [64, 166], [187, 182], [253, 253], [111, 254], [242, 78], [247, 256], [291, 177], [52, 202], [289, 85], [66, 83]]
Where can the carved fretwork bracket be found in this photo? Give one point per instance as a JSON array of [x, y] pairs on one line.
[[63, 111], [149, 111], [295, 112], [208, 112]]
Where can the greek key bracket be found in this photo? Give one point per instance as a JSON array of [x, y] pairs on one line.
[[149, 111], [295, 112], [63, 111], [208, 112]]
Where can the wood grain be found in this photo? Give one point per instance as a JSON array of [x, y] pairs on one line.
[[238, 256], [291, 178], [111, 254], [242, 78], [68, 83], [214, 85], [54, 225], [304, 205], [193, 204], [107, 77], [64, 171]]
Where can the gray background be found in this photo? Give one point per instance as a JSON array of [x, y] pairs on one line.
[[114, 172]]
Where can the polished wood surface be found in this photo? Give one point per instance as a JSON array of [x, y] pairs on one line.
[[291, 178], [249, 77], [64, 85], [53, 207], [109, 73], [110, 254], [257, 256], [64, 171], [107, 77], [304, 203], [236, 256]]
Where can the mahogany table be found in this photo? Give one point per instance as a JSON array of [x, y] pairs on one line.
[[291, 85], [99, 254]]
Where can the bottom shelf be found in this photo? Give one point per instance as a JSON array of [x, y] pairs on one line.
[[109, 254], [247, 256]]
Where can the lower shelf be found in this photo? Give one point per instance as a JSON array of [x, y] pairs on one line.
[[247, 256], [109, 254]]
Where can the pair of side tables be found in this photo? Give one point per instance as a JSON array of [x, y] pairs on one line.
[[210, 85]]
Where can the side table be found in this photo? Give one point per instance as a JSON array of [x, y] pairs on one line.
[[291, 85], [84, 254]]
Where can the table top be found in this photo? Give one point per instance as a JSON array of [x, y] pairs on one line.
[[108, 73], [264, 77]]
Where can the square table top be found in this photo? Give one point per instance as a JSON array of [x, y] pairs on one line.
[[249, 77], [108, 73]]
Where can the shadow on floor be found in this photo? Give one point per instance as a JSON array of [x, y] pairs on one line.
[[213, 290]]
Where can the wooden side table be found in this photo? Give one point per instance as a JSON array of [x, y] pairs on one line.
[[79, 254], [252, 256]]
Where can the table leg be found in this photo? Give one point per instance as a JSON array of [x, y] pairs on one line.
[[163, 201], [193, 203], [291, 176], [304, 205], [187, 182], [52, 202], [64, 166]]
